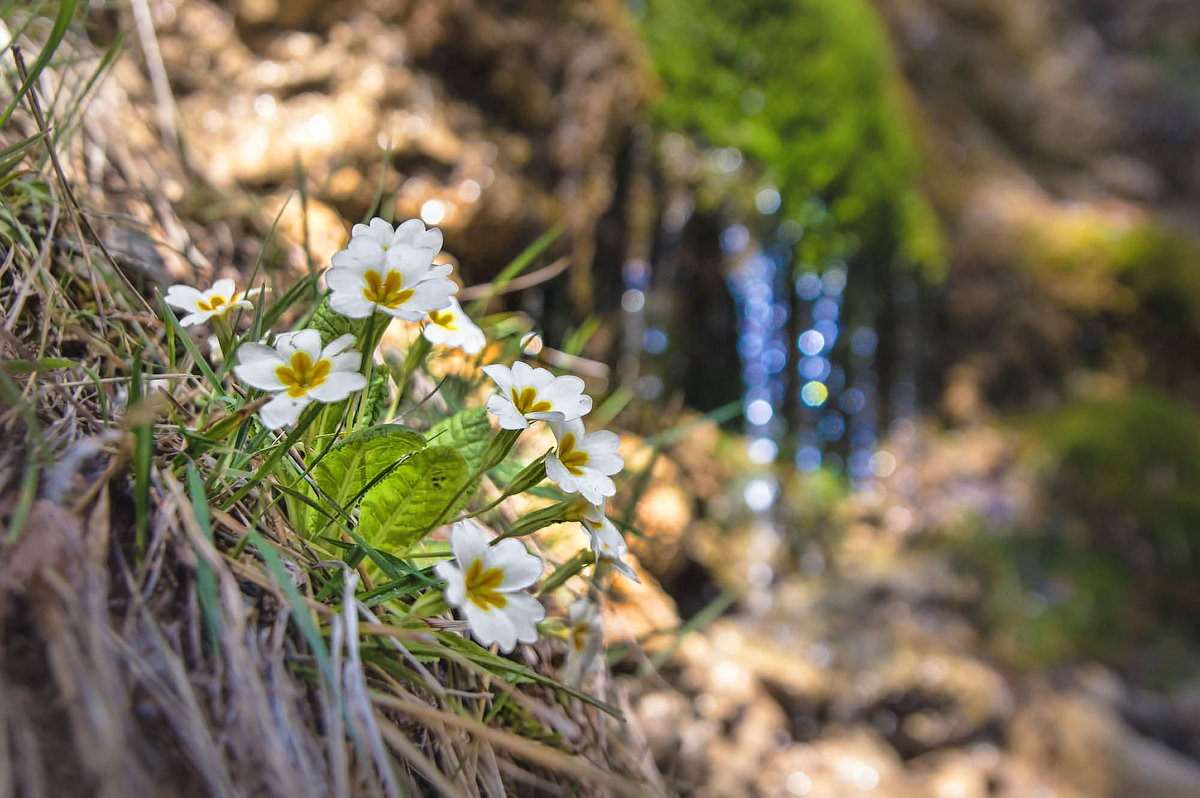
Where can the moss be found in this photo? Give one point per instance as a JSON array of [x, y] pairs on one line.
[[1096, 259], [805, 88], [1109, 565], [1134, 461]]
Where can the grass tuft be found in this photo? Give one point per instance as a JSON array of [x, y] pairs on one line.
[[167, 623]]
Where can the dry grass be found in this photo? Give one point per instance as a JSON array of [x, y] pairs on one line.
[[163, 631]]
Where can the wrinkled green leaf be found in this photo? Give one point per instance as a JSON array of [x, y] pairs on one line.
[[332, 325], [421, 493], [469, 432], [350, 466]]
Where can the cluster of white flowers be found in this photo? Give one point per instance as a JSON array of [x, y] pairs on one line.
[[581, 463], [384, 269], [392, 271]]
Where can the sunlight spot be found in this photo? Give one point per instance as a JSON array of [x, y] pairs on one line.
[[433, 211], [759, 495], [759, 412], [264, 105], [763, 451], [811, 342], [808, 459], [319, 129], [633, 300], [898, 519], [808, 286], [469, 191], [767, 201], [883, 463], [654, 341], [799, 783], [814, 393]]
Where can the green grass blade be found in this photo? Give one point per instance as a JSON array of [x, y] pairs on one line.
[[206, 581], [512, 270], [301, 615], [62, 21]]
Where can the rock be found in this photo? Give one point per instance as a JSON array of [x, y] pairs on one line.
[[953, 774], [1088, 746], [849, 764]]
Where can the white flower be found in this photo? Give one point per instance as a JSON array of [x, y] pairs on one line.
[[390, 270], [607, 542], [584, 464], [214, 349], [451, 327], [586, 639], [203, 305], [486, 583], [299, 371], [529, 394]]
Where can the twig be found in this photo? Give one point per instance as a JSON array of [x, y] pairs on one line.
[[542, 275]]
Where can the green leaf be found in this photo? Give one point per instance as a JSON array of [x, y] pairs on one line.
[[355, 462], [421, 493], [541, 518], [333, 325], [469, 432]]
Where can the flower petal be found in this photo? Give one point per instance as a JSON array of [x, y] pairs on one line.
[[344, 279], [282, 411], [256, 368], [350, 305], [572, 426], [338, 345], [199, 317], [505, 413], [550, 415], [456, 592], [339, 385], [501, 375], [380, 231], [593, 485], [346, 361], [559, 474], [183, 297], [223, 288], [468, 542], [521, 568], [605, 463], [433, 294], [309, 342], [525, 612], [488, 627], [408, 231]]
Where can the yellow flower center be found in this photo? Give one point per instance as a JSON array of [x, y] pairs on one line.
[[301, 375], [572, 459], [527, 402], [213, 303], [443, 318], [483, 586], [388, 291], [580, 635]]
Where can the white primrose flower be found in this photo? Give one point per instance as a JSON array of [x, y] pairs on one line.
[[298, 371], [390, 270], [584, 464], [533, 394], [586, 639], [486, 584], [451, 327], [607, 542], [203, 305]]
